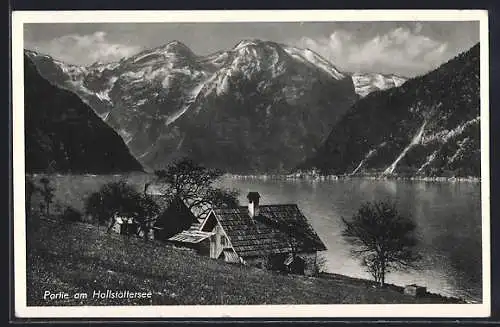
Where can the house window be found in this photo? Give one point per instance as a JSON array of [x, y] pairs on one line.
[[223, 241]]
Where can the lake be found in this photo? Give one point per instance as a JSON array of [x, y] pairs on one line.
[[448, 218]]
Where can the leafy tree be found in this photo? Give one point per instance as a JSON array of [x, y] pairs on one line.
[[193, 183], [382, 238], [120, 199], [47, 193]]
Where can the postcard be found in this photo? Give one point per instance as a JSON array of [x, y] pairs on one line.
[[300, 163]]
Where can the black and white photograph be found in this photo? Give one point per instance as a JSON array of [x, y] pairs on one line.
[[251, 163]]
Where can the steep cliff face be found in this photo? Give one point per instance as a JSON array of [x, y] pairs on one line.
[[62, 134], [428, 126], [260, 106]]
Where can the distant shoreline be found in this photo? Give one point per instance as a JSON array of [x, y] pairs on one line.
[[293, 177], [306, 177]]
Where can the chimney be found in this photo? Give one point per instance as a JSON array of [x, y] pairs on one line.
[[253, 204]]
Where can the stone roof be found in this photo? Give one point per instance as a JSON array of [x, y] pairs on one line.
[[277, 229]]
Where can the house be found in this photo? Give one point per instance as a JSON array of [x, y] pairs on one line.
[[177, 217], [174, 217], [124, 225], [272, 236]]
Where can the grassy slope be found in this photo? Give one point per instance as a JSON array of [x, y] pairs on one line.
[[80, 258]]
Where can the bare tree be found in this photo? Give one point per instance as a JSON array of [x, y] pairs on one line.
[[382, 238], [194, 184], [47, 192]]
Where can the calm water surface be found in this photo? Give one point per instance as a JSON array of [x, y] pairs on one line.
[[448, 218]]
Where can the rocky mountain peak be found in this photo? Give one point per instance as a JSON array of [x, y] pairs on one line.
[[167, 101]]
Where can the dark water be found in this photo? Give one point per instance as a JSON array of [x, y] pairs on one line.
[[448, 218]]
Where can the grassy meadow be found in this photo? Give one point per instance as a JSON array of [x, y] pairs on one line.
[[78, 257]]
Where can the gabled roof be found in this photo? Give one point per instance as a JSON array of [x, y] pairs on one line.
[[275, 230], [176, 209]]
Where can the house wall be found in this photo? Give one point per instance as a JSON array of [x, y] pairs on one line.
[[309, 258], [234, 258], [204, 247], [218, 241]]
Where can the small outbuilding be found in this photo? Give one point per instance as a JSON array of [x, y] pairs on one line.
[[415, 290], [193, 239], [125, 226]]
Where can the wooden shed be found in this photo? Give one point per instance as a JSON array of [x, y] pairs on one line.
[[193, 239], [415, 290], [125, 226]]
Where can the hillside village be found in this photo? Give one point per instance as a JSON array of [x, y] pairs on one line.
[[276, 236]]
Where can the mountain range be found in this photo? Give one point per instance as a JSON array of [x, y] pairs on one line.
[[428, 126], [63, 134], [258, 107], [268, 107]]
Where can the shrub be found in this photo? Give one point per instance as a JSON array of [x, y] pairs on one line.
[[70, 214]]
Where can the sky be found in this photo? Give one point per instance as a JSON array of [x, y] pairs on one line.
[[403, 48]]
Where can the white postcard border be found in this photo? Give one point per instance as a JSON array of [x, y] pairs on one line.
[[282, 311]]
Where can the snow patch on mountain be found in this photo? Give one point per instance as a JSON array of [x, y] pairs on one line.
[[222, 86], [140, 102], [365, 84], [103, 96], [172, 118], [460, 151], [104, 115], [416, 140], [191, 98], [143, 154], [312, 58], [126, 136], [368, 156], [430, 158], [444, 136]]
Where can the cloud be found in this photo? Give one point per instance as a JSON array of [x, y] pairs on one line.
[[87, 49], [400, 50]]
